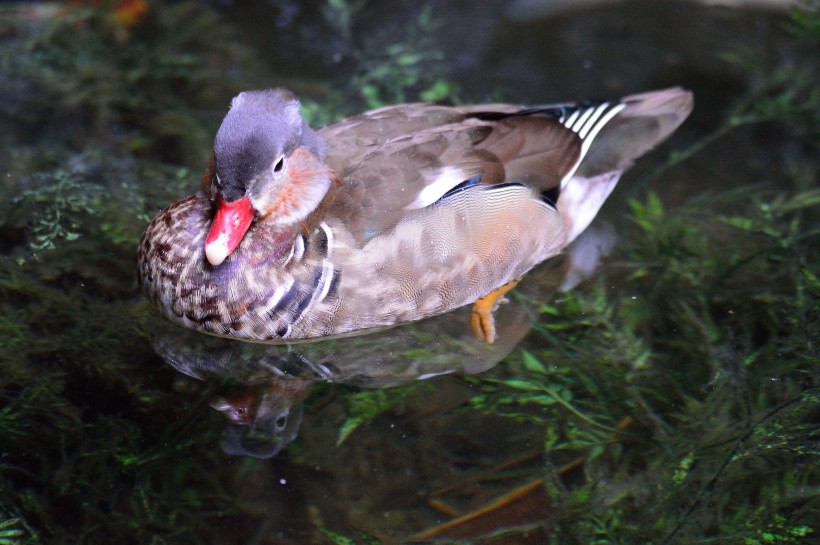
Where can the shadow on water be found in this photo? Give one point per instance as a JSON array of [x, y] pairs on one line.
[[668, 396]]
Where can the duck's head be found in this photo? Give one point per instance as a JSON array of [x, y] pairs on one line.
[[268, 166]]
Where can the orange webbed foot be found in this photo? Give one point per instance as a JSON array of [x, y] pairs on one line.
[[481, 317]]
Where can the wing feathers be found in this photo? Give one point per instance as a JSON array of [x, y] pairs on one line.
[[408, 157]]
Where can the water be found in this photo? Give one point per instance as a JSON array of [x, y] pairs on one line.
[[669, 397]]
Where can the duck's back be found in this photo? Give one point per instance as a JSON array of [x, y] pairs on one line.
[[407, 157]]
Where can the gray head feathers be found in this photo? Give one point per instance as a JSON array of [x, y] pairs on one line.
[[260, 128]]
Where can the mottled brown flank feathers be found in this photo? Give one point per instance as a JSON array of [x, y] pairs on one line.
[[427, 208]]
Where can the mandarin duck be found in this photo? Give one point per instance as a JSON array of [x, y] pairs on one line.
[[393, 215]]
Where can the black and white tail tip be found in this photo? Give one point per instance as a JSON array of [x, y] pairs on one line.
[[587, 121]]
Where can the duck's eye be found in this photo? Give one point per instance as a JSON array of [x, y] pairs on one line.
[[279, 164]]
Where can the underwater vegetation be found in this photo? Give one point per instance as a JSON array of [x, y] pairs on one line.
[[672, 398]]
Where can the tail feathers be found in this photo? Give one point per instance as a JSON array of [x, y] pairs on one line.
[[645, 120], [581, 198]]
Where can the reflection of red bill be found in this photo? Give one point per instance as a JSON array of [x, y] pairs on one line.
[[227, 229], [239, 409]]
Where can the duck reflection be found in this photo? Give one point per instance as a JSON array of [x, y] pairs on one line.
[[262, 386]]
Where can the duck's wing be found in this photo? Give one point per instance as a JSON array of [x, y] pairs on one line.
[[408, 157]]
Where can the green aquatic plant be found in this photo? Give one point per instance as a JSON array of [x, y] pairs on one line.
[[384, 70], [120, 91], [363, 407], [339, 539], [714, 335], [61, 203], [12, 423], [785, 89], [91, 194], [12, 531], [72, 451], [134, 87], [776, 530], [405, 70], [614, 387], [340, 15], [782, 91]]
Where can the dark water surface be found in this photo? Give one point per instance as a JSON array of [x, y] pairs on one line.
[[670, 396]]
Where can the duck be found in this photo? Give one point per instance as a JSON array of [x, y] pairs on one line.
[[387, 217]]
